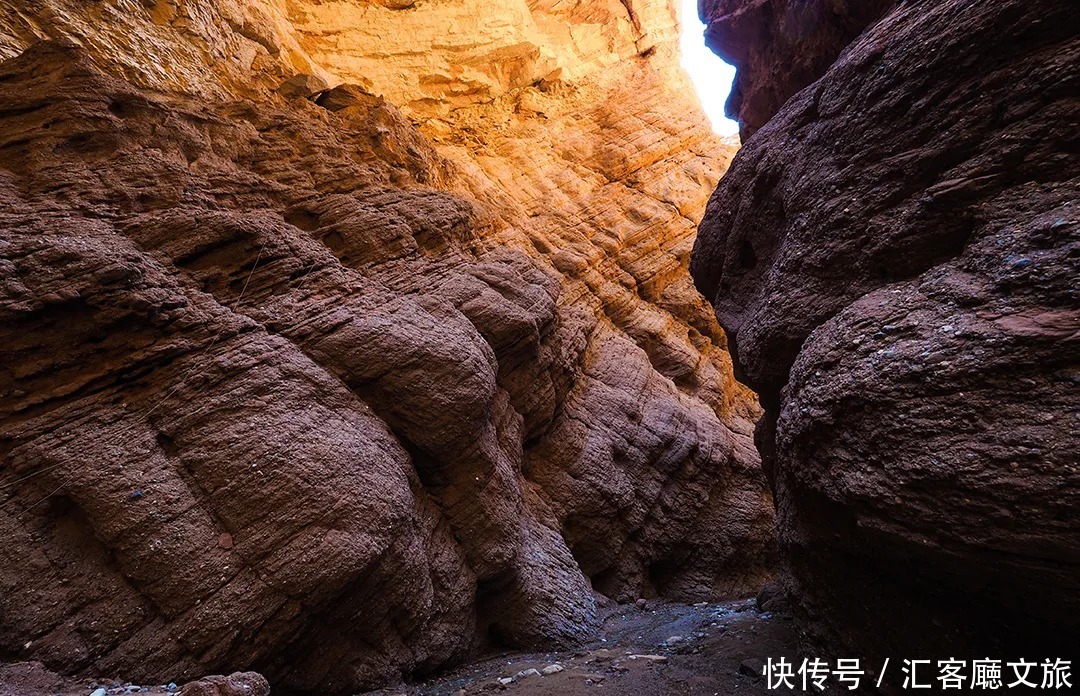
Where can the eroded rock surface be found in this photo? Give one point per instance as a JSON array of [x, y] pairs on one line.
[[894, 256], [339, 393], [241, 684]]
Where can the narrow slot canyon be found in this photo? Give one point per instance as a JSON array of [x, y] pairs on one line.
[[444, 347]]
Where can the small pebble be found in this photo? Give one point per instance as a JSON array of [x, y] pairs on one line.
[[551, 669]]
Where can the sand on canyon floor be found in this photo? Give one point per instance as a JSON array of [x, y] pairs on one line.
[[653, 648], [660, 649]]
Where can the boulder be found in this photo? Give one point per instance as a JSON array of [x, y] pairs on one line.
[[238, 684], [302, 87]]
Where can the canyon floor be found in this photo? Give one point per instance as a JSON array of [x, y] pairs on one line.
[[343, 341], [663, 648]]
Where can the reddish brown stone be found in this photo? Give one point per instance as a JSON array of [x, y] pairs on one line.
[[240, 684], [289, 322], [894, 258]]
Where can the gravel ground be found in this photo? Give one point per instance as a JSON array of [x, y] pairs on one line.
[[648, 649], [657, 650]]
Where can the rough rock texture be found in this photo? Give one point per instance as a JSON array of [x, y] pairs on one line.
[[212, 48], [780, 46], [311, 388], [240, 684], [894, 257], [21, 678]]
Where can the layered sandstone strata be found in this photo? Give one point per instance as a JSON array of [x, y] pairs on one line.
[[894, 257], [340, 392]]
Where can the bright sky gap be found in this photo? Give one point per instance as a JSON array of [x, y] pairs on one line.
[[711, 76]]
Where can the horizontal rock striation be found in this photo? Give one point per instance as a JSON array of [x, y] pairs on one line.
[[893, 256], [294, 381]]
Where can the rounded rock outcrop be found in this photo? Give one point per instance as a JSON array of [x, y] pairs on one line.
[[343, 393], [893, 257]]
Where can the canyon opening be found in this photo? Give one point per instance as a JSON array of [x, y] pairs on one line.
[[538, 346]]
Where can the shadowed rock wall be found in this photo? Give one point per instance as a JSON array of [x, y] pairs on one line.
[[893, 255], [780, 47]]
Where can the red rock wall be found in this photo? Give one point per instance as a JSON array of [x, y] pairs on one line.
[[893, 255], [315, 391]]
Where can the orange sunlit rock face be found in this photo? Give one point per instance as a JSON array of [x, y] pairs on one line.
[[343, 385]]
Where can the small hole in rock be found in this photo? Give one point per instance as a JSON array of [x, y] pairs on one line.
[[120, 108]]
